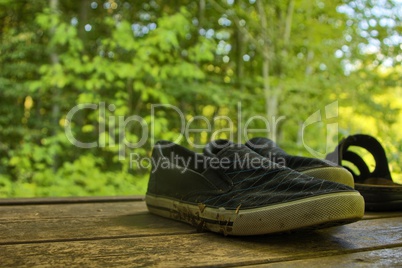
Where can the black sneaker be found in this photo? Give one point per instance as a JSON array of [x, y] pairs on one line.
[[239, 192], [313, 167]]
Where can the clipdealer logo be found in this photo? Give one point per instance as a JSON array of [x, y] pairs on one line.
[[118, 125], [240, 128]]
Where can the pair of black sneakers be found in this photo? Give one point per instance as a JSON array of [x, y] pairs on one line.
[[249, 189]]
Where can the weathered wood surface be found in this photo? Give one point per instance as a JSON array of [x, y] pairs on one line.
[[121, 232], [373, 258]]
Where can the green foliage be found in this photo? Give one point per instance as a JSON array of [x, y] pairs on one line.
[[204, 58]]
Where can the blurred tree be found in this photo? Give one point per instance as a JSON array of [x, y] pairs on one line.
[[207, 58]]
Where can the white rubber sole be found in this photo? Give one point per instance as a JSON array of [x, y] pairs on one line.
[[334, 174], [308, 213]]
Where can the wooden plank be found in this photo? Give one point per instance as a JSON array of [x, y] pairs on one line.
[[79, 210], [88, 208], [379, 258], [22, 224], [70, 229], [124, 234], [377, 215], [86, 221], [207, 249], [16, 205], [67, 200]]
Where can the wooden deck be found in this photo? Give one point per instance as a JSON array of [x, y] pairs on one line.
[[120, 232]]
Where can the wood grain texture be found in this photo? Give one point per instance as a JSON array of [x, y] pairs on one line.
[[124, 234], [379, 258], [88, 221], [38, 208], [195, 249], [67, 200], [88, 228], [73, 210]]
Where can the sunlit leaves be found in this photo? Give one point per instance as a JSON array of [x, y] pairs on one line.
[[128, 56]]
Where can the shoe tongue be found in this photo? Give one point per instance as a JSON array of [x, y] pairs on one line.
[[241, 157], [237, 163], [264, 146], [232, 151], [214, 147], [226, 149]]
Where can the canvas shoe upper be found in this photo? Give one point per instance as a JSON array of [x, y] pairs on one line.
[[236, 191], [314, 167]]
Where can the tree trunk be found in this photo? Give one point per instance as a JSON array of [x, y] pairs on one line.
[[239, 46], [271, 100], [54, 59], [287, 29], [83, 19], [239, 52], [288, 24]]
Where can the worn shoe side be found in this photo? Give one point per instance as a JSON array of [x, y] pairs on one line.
[[238, 192]]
